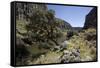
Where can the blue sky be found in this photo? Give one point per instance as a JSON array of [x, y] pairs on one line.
[[74, 15]]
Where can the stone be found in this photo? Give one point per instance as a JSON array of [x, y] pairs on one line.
[[70, 56], [91, 19], [63, 45]]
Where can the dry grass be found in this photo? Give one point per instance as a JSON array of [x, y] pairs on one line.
[[87, 48]]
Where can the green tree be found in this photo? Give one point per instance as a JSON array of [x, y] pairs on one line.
[[43, 26]]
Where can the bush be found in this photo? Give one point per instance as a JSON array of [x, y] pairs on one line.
[[86, 42]]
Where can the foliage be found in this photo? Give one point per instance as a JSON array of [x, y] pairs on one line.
[[44, 31], [43, 26], [87, 47], [49, 57]]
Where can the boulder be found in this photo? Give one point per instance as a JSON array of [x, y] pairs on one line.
[[70, 56], [63, 45]]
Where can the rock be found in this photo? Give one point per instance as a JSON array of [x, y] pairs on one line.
[[76, 59], [66, 52], [63, 45], [91, 19], [76, 53], [24, 10], [70, 56]]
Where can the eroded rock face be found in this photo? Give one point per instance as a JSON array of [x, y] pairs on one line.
[[91, 19], [25, 9]]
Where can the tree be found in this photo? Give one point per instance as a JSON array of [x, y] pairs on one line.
[[43, 27]]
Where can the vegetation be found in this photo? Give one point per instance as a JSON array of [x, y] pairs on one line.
[[87, 47], [43, 27], [41, 38]]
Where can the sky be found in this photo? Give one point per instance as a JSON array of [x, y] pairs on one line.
[[75, 15]]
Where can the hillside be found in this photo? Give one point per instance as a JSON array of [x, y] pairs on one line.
[[91, 19], [41, 38], [64, 25], [77, 29]]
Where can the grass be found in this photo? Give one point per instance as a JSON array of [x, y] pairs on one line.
[[49, 57], [87, 48], [34, 49], [44, 56]]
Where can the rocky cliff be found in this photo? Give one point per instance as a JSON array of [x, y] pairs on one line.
[[91, 19], [25, 9]]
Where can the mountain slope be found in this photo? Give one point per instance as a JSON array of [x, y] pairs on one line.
[[91, 19]]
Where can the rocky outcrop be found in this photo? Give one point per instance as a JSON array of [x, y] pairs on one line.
[[70, 56], [91, 19], [25, 9]]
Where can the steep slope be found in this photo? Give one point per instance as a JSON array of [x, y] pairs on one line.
[[63, 24], [91, 19], [24, 9]]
